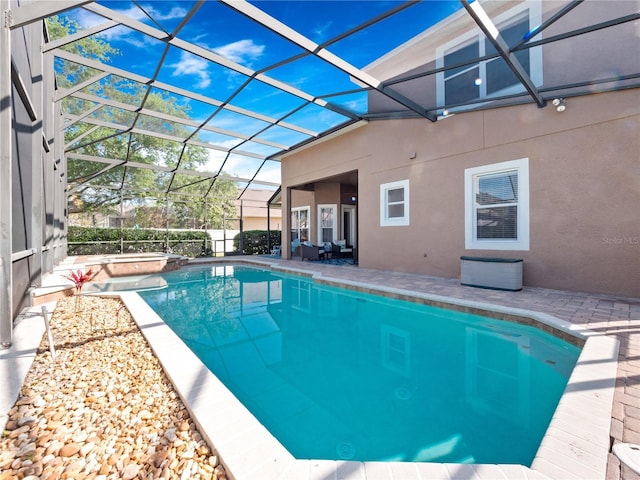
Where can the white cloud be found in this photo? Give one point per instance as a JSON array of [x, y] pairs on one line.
[[321, 32], [216, 158], [133, 12], [270, 172], [87, 20], [190, 64], [137, 14], [242, 51], [175, 12]]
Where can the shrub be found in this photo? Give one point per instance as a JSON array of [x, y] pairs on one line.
[[255, 241], [100, 241]]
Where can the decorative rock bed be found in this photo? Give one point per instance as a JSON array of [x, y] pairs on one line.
[[103, 408]]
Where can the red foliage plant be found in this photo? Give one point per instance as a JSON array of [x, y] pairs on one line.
[[79, 278]]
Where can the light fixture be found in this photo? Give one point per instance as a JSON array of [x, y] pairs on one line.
[[445, 113], [477, 82], [559, 104]]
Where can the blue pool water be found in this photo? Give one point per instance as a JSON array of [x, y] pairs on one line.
[[337, 374]]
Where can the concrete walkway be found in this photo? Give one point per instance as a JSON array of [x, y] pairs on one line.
[[617, 317]]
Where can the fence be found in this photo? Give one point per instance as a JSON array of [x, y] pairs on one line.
[[212, 243]]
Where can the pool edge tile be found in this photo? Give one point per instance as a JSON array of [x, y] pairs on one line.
[[556, 450]]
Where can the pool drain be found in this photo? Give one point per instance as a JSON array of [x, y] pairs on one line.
[[402, 393], [346, 450]]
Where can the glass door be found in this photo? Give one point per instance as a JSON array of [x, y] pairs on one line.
[[327, 231]]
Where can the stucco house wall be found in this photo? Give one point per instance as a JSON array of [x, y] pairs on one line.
[[584, 171]]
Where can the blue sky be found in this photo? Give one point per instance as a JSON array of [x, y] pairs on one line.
[[219, 29]]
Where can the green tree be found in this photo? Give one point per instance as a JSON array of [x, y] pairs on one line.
[[98, 186]]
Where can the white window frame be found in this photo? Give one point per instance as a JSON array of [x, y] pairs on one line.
[[301, 295], [349, 229], [334, 233], [385, 220], [299, 209], [396, 358], [471, 176], [534, 9]]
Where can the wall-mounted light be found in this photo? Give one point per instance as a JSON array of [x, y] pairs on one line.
[[559, 104], [445, 113]]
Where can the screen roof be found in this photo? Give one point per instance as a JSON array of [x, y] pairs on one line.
[[227, 87]]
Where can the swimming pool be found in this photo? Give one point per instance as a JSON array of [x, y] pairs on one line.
[[373, 378]]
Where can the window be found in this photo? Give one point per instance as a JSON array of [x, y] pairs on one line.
[[327, 231], [396, 349], [492, 77], [394, 203], [300, 297], [497, 206], [300, 224], [498, 373]]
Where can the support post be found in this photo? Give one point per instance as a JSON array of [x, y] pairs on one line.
[[167, 248], [38, 153], [206, 233], [268, 227], [6, 134], [60, 204], [285, 233], [52, 137], [241, 243], [121, 225]]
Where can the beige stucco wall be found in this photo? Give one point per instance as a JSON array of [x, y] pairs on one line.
[[260, 223], [584, 168]]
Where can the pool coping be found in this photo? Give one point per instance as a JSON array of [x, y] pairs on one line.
[[575, 446]]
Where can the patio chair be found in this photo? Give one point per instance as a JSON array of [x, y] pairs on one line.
[[340, 249], [295, 245], [312, 252], [276, 251]]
